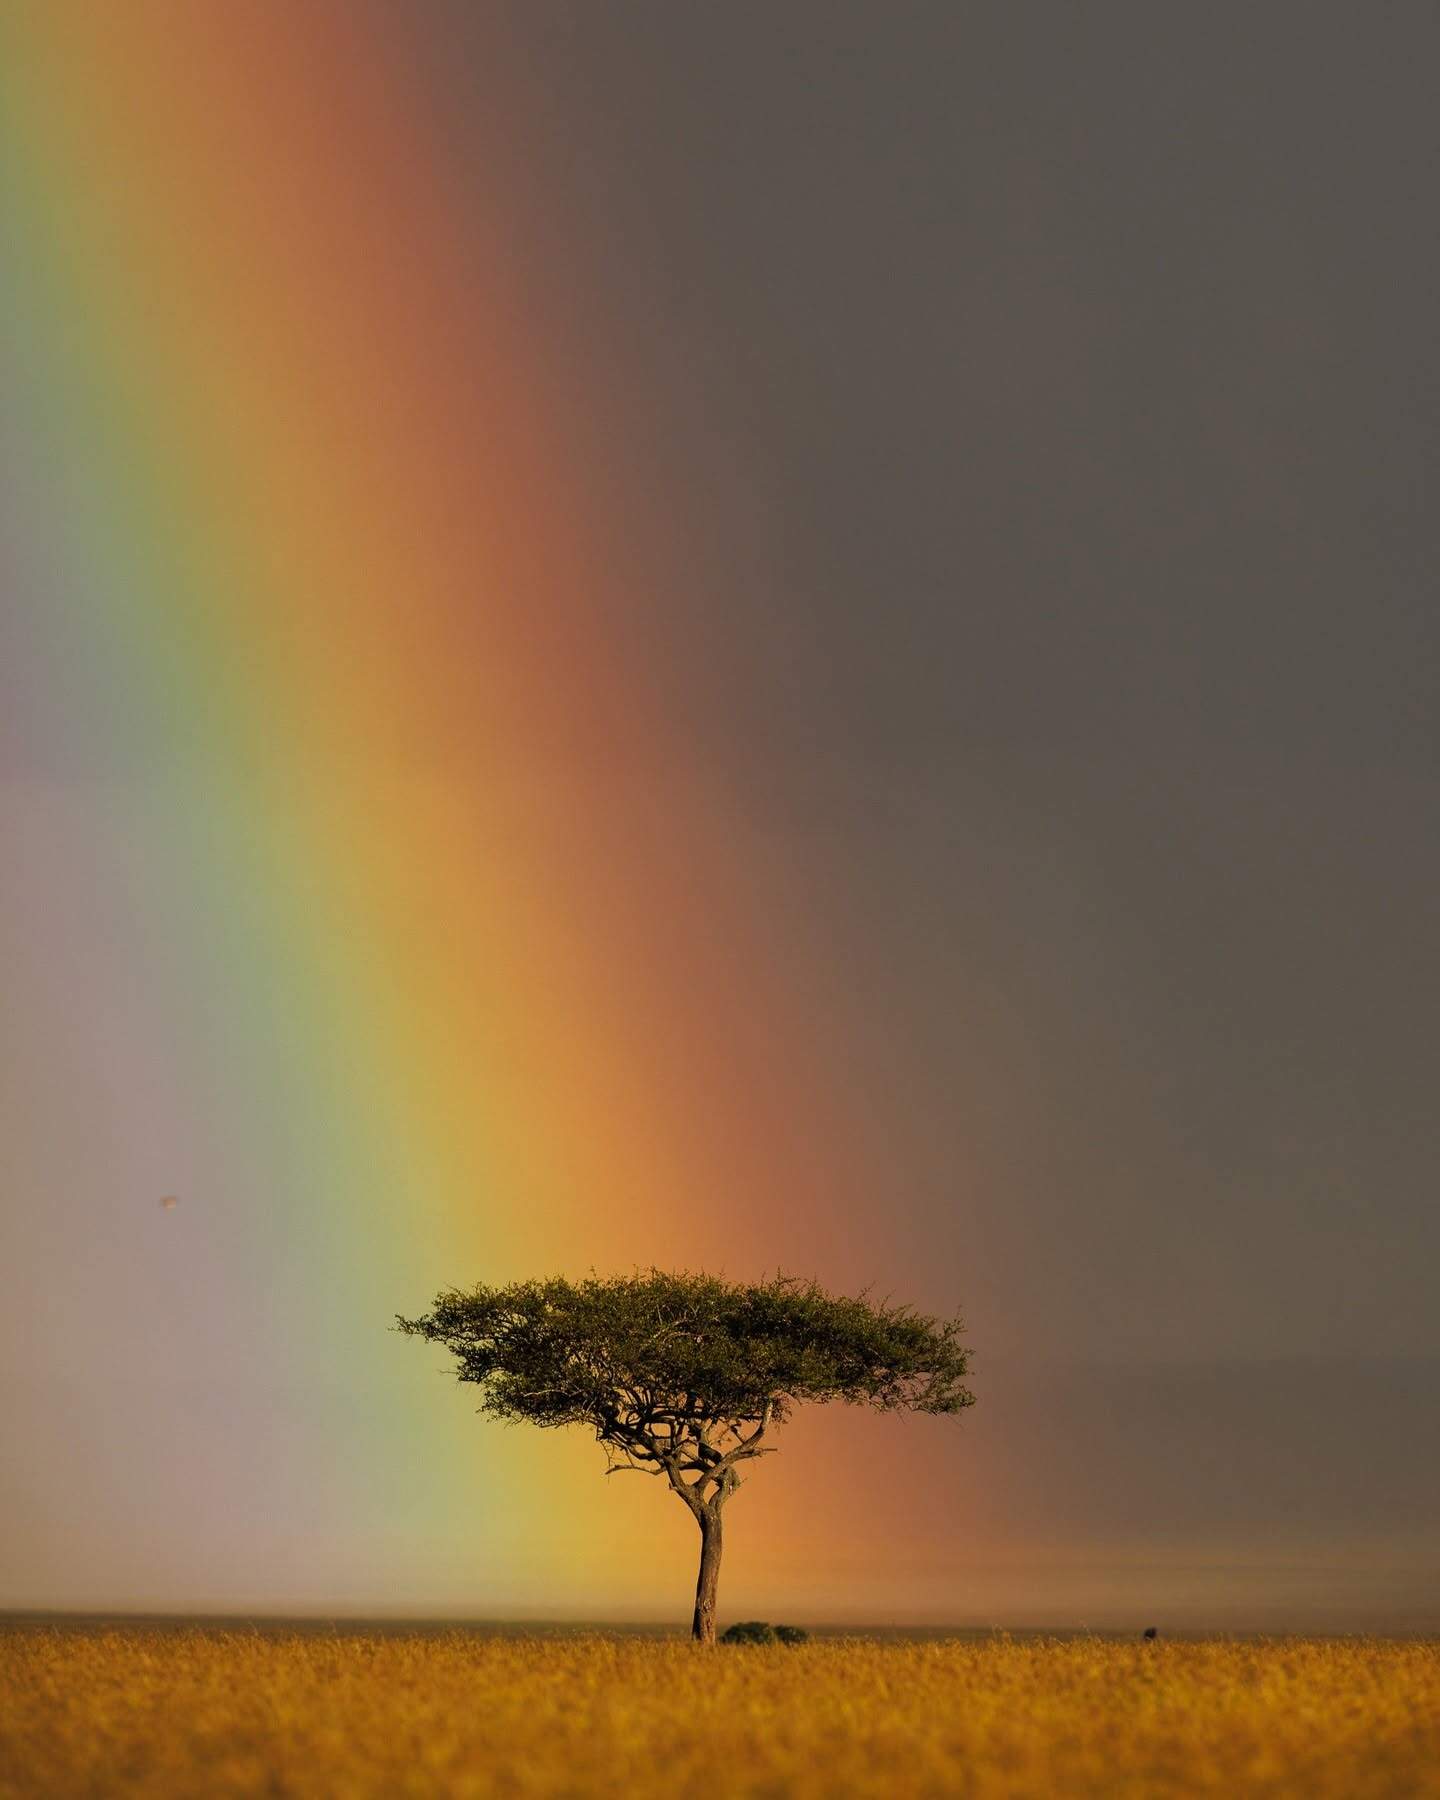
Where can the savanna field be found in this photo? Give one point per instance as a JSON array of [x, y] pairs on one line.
[[225, 1713]]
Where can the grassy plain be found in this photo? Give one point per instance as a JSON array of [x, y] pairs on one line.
[[210, 1713]]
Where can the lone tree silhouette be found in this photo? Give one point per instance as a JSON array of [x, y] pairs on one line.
[[682, 1376]]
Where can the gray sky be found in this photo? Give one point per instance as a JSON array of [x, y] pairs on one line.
[[1060, 386]]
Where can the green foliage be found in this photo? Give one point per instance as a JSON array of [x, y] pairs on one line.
[[657, 1346], [749, 1631], [756, 1631]]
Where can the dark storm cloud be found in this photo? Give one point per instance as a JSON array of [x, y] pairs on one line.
[[1078, 369]]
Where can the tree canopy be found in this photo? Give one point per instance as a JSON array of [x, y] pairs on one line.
[[660, 1347]]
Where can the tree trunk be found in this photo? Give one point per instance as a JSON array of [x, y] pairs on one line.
[[703, 1630]]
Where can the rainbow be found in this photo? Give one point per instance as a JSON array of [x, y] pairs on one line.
[[443, 958]]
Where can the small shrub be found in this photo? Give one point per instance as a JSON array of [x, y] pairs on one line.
[[749, 1631], [757, 1631]]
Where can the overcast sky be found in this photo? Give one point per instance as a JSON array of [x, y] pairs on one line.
[[1061, 386], [1059, 389]]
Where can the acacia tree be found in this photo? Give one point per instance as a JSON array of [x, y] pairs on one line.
[[683, 1376]]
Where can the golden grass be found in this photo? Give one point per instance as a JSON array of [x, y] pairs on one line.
[[208, 1713]]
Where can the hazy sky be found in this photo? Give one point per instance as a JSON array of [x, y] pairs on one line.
[[1062, 392], [1044, 403]]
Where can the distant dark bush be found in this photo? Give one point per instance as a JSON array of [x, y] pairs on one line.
[[749, 1631], [756, 1631]]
